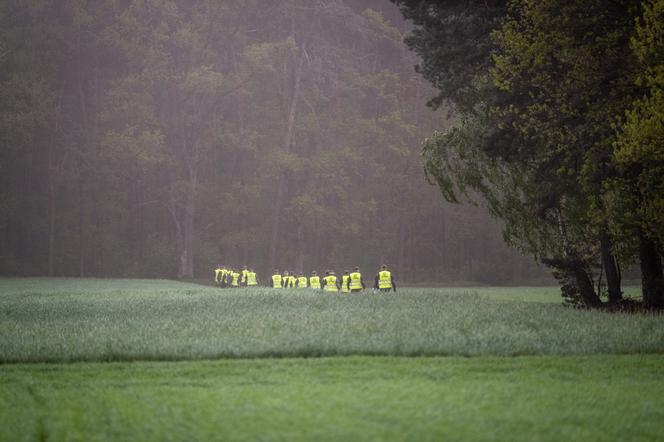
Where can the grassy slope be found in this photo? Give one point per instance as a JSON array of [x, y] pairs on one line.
[[357, 398], [102, 320]]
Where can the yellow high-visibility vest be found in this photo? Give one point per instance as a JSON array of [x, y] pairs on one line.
[[384, 280], [244, 275], [251, 278], [302, 281], [290, 281], [276, 281], [355, 280], [314, 282], [217, 272], [330, 283], [344, 284], [236, 278]]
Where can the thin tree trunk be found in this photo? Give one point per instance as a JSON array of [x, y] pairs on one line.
[[51, 223], [52, 187], [186, 227], [281, 185], [81, 229]]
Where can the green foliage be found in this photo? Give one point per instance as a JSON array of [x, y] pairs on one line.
[[453, 40], [638, 194]]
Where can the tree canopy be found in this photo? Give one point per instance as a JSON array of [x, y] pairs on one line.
[[544, 133]]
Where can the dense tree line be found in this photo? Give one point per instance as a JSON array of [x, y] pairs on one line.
[[159, 137], [560, 129]]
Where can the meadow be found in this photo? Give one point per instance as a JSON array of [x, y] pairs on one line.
[[105, 320], [86, 360], [545, 398]]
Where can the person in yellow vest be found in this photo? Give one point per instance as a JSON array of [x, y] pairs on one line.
[[314, 280], [252, 279], [243, 276], [235, 279], [356, 283], [290, 279], [217, 275], [223, 279], [277, 280], [302, 281], [384, 280], [330, 282], [345, 279]]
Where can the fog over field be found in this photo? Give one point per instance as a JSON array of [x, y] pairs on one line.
[[143, 140]]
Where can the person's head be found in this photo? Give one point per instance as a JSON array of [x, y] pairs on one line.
[[345, 272], [313, 273], [276, 271], [384, 267], [301, 273], [357, 269], [244, 268], [286, 272], [327, 272]]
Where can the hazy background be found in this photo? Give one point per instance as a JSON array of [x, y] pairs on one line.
[[159, 138]]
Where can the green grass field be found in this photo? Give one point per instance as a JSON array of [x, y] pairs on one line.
[[104, 320], [394, 366]]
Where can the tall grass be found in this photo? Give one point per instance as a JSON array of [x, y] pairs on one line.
[[51, 320]]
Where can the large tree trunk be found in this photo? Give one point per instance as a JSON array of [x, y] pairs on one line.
[[652, 284], [281, 185], [611, 269], [585, 286], [575, 282]]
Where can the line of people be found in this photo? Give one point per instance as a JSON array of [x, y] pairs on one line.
[[227, 277], [349, 282]]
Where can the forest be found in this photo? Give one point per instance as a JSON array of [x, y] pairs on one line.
[[158, 138]]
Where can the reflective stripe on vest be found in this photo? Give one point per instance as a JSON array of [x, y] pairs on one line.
[[276, 281], [330, 283], [355, 280], [344, 283], [251, 278], [384, 280], [314, 282], [302, 281]]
